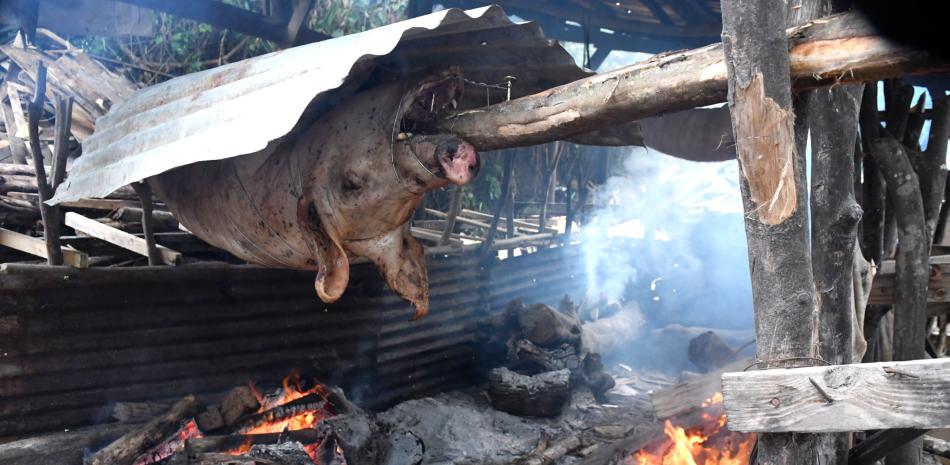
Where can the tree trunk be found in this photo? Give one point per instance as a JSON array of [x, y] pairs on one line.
[[833, 115], [774, 196], [874, 191], [911, 268], [933, 165]]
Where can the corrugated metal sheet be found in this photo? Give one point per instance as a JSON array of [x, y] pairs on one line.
[[72, 341], [239, 108]]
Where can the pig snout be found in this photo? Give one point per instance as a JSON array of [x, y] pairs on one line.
[[459, 161]]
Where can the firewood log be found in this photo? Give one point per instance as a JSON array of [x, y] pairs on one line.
[[124, 450]]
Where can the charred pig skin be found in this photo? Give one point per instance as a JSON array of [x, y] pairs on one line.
[[343, 187]]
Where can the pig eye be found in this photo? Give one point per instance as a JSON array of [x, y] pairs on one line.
[[351, 182]]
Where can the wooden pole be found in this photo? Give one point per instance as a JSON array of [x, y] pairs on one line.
[[933, 164], [774, 194], [833, 121], [50, 214], [145, 196], [502, 199], [873, 192], [911, 270], [454, 208], [838, 49]]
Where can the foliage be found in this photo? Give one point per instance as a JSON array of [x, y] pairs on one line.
[[183, 46]]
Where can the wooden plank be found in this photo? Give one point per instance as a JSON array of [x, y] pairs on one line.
[[36, 246], [938, 288], [691, 393], [120, 238], [888, 395]]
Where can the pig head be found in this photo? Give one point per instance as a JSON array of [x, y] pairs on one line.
[[344, 187]]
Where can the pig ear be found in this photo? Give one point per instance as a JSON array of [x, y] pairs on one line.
[[402, 263], [333, 266], [333, 272]]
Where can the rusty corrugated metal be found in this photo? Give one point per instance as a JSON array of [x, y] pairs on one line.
[[239, 108], [72, 341]]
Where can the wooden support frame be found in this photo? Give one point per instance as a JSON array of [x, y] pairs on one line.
[[833, 50], [37, 246], [838, 398], [230, 17], [120, 238], [880, 444]]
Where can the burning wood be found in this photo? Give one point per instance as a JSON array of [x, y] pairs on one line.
[[709, 443], [276, 427]]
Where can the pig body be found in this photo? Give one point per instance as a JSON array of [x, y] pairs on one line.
[[343, 187]]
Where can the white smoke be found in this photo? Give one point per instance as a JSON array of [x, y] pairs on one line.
[[653, 230]]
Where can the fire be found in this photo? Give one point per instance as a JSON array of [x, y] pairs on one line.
[[168, 448], [292, 389], [709, 444]]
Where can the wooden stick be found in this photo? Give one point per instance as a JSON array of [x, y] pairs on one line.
[[502, 199], [207, 444], [64, 117], [464, 220], [124, 450], [50, 214], [120, 238], [450, 218], [145, 196], [36, 246], [519, 224], [860, 397]]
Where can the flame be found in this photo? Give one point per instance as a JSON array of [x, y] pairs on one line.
[[170, 446], [292, 389], [709, 444]]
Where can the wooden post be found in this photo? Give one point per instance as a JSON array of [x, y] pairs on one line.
[[774, 193], [505, 187], [144, 192], [50, 215], [454, 208], [912, 270], [550, 179], [933, 170]]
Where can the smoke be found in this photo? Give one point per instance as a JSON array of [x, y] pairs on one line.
[[669, 235]]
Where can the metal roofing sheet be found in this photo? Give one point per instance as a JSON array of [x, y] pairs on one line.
[[239, 108]]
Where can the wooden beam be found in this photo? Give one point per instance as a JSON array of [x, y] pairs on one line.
[[880, 444], [37, 247], [837, 398], [230, 17], [120, 238], [836, 49]]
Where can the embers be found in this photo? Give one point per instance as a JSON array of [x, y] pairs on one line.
[[247, 426]]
